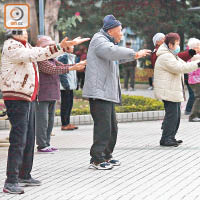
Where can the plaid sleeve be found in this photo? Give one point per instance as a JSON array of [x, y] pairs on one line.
[[51, 68]]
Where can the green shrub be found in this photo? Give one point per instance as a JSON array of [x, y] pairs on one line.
[[76, 111], [78, 94], [129, 104], [82, 111], [136, 82], [128, 100], [2, 108]]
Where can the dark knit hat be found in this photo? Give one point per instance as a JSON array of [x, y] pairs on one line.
[[109, 22]]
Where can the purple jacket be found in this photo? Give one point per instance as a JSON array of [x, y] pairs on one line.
[[49, 82]]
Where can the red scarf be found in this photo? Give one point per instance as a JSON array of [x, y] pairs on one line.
[[22, 41], [33, 98]]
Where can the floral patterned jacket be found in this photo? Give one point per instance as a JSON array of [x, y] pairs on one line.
[[17, 74]]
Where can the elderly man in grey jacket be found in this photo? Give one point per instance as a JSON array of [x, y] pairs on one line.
[[102, 87]]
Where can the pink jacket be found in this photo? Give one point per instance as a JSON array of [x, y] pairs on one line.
[[194, 77]]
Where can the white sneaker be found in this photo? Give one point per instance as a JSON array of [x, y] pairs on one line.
[[54, 148], [46, 150], [150, 88], [101, 166], [131, 89]]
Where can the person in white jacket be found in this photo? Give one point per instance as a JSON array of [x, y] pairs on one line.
[[19, 85], [169, 85]]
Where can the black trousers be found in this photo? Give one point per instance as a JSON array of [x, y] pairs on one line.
[[22, 139], [171, 120], [66, 106], [80, 79], [105, 130]]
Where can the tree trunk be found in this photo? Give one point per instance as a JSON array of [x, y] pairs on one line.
[[51, 16], [33, 22], [181, 33]]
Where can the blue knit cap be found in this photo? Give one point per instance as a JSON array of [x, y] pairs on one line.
[[109, 22]]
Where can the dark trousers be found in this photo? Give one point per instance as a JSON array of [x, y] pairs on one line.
[[22, 139], [171, 120], [129, 73], [191, 99], [151, 81], [45, 112], [66, 106], [105, 130], [80, 79], [196, 106]]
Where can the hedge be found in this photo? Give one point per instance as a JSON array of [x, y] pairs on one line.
[[129, 104], [78, 94]]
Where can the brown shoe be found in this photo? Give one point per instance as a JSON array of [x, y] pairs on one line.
[[74, 127], [67, 128]]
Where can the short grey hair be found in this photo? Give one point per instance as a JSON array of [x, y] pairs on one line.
[[193, 43], [157, 37], [8, 33]]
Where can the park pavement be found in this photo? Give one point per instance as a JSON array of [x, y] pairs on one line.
[[148, 171]]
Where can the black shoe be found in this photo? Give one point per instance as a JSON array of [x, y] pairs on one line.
[[179, 141], [169, 143]]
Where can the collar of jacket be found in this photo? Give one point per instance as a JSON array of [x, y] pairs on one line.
[[108, 36], [171, 51], [22, 41]]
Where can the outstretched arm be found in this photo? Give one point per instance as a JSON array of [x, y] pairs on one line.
[[16, 52], [109, 51], [49, 68]]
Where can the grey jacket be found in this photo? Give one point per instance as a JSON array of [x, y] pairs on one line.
[[102, 70]]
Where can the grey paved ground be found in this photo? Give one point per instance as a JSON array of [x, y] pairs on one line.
[[147, 171], [140, 90]]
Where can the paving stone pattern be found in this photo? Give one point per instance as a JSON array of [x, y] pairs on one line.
[[148, 171]]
